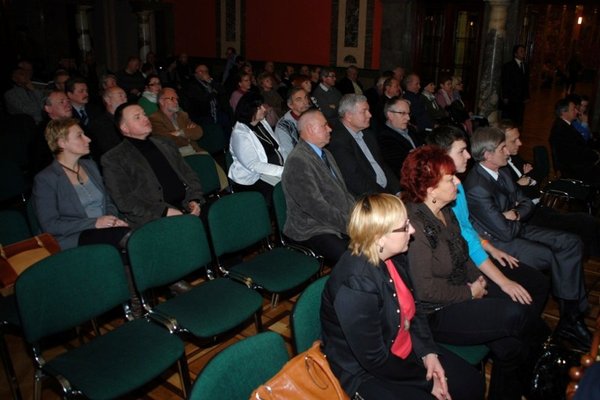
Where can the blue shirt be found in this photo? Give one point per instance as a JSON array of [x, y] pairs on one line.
[[476, 251]]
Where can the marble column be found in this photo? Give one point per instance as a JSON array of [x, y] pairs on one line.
[[489, 86], [144, 33], [82, 24]]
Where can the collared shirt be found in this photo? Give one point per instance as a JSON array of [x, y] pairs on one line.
[[494, 174], [403, 133], [379, 174], [324, 87], [514, 168]]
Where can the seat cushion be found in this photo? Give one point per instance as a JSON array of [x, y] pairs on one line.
[[120, 361], [279, 270], [212, 308]]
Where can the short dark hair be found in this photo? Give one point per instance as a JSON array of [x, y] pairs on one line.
[[574, 98], [444, 136], [247, 107], [562, 106], [71, 82], [149, 79], [516, 47], [118, 116], [506, 125]]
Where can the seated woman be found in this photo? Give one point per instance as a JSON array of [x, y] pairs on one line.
[[257, 163], [69, 197], [243, 86], [376, 342], [463, 307], [273, 100], [148, 100]]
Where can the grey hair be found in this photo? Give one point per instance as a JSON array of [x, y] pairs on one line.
[[485, 139], [349, 102]]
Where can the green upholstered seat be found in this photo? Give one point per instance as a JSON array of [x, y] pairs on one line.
[[204, 166], [241, 220], [13, 227], [306, 316], [239, 369], [213, 138], [474, 355], [72, 287], [166, 250]]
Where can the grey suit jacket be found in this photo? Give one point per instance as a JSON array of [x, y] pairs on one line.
[[58, 207], [317, 202], [134, 187]]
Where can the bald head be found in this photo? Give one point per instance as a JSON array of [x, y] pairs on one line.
[[313, 128], [113, 97]]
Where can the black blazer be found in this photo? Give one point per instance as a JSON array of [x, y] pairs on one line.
[[358, 173], [345, 86], [533, 192], [573, 157], [360, 318], [515, 83], [395, 148], [488, 199]]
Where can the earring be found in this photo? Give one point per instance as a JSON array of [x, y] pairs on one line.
[[381, 249], [434, 200]]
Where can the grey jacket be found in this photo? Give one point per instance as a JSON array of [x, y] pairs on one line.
[[317, 203], [58, 207], [134, 187]]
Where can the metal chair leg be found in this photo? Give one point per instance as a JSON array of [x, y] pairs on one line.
[[37, 384], [184, 374]]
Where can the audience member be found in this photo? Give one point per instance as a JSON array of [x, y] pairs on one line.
[[244, 84], [130, 79], [315, 77], [377, 343], [327, 96], [286, 129], [148, 99], [515, 86], [108, 81], [23, 97], [397, 138], [58, 82], [318, 202], [69, 197], [464, 308], [257, 160], [350, 83], [273, 101], [77, 92], [436, 113], [102, 130], [356, 151], [205, 99], [498, 211], [581, 122], [418, 112], [146, 176], [444, 96]]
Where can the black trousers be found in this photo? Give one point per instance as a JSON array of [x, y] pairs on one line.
[[329, 246], [112, 236]]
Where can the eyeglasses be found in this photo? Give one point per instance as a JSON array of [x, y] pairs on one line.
[[405, 228], [171, 98], [399, 112], [330, 76]]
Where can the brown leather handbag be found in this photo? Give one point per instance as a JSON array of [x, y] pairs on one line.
[[305, 377], [17, 257]]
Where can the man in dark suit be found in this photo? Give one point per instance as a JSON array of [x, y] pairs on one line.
[[356, 150], [350, 83], [572, 156], [498, 210], [419, 116], [397, 138], [318, 202], [77, 92], [515, 85]]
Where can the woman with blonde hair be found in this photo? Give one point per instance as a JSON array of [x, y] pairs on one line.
[[378, 345]]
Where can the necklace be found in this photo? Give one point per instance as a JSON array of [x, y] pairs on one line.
[[76, 172]]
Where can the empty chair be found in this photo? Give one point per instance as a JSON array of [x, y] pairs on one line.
[[241, 220], [306, 316], [239, 369], [204, 166], [165, 251], [71, 287], [213, 139]]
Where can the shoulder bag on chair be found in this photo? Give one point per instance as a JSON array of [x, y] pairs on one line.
[[305, 377], [17, 257]]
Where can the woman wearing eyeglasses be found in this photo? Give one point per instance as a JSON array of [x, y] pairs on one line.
[[463, 307], [148, 99], [377, 344]]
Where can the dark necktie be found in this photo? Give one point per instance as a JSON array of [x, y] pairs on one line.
[[326, 161], [84, 117]]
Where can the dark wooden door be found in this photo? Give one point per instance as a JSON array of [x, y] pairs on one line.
[[449, 38]]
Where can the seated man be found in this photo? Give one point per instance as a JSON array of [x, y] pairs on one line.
[[498, 209], [326, 94], [579, 223], [356, 151], [102, 130], [146, 176], [286, 129], [397, 138], [318, 203], [572, 155]]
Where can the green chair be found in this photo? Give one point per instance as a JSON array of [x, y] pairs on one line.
[[241, 220], [305, 318], [167, 250], [72, 287], [474, 355], [13, 227], [204, 166], [242, 367], [213, 139]]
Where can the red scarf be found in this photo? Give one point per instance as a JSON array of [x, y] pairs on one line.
[[402, 345]]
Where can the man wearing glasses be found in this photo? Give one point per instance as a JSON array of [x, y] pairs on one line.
[[397, 138], [328, 97]]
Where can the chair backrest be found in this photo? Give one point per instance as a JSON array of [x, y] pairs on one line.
[[13, 227], [69, 288], [204, 166], [239, 369], [541, 161], [306, 319], [280, 207], [12, 180], [165, 250], [238, 221], [213, 139]]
